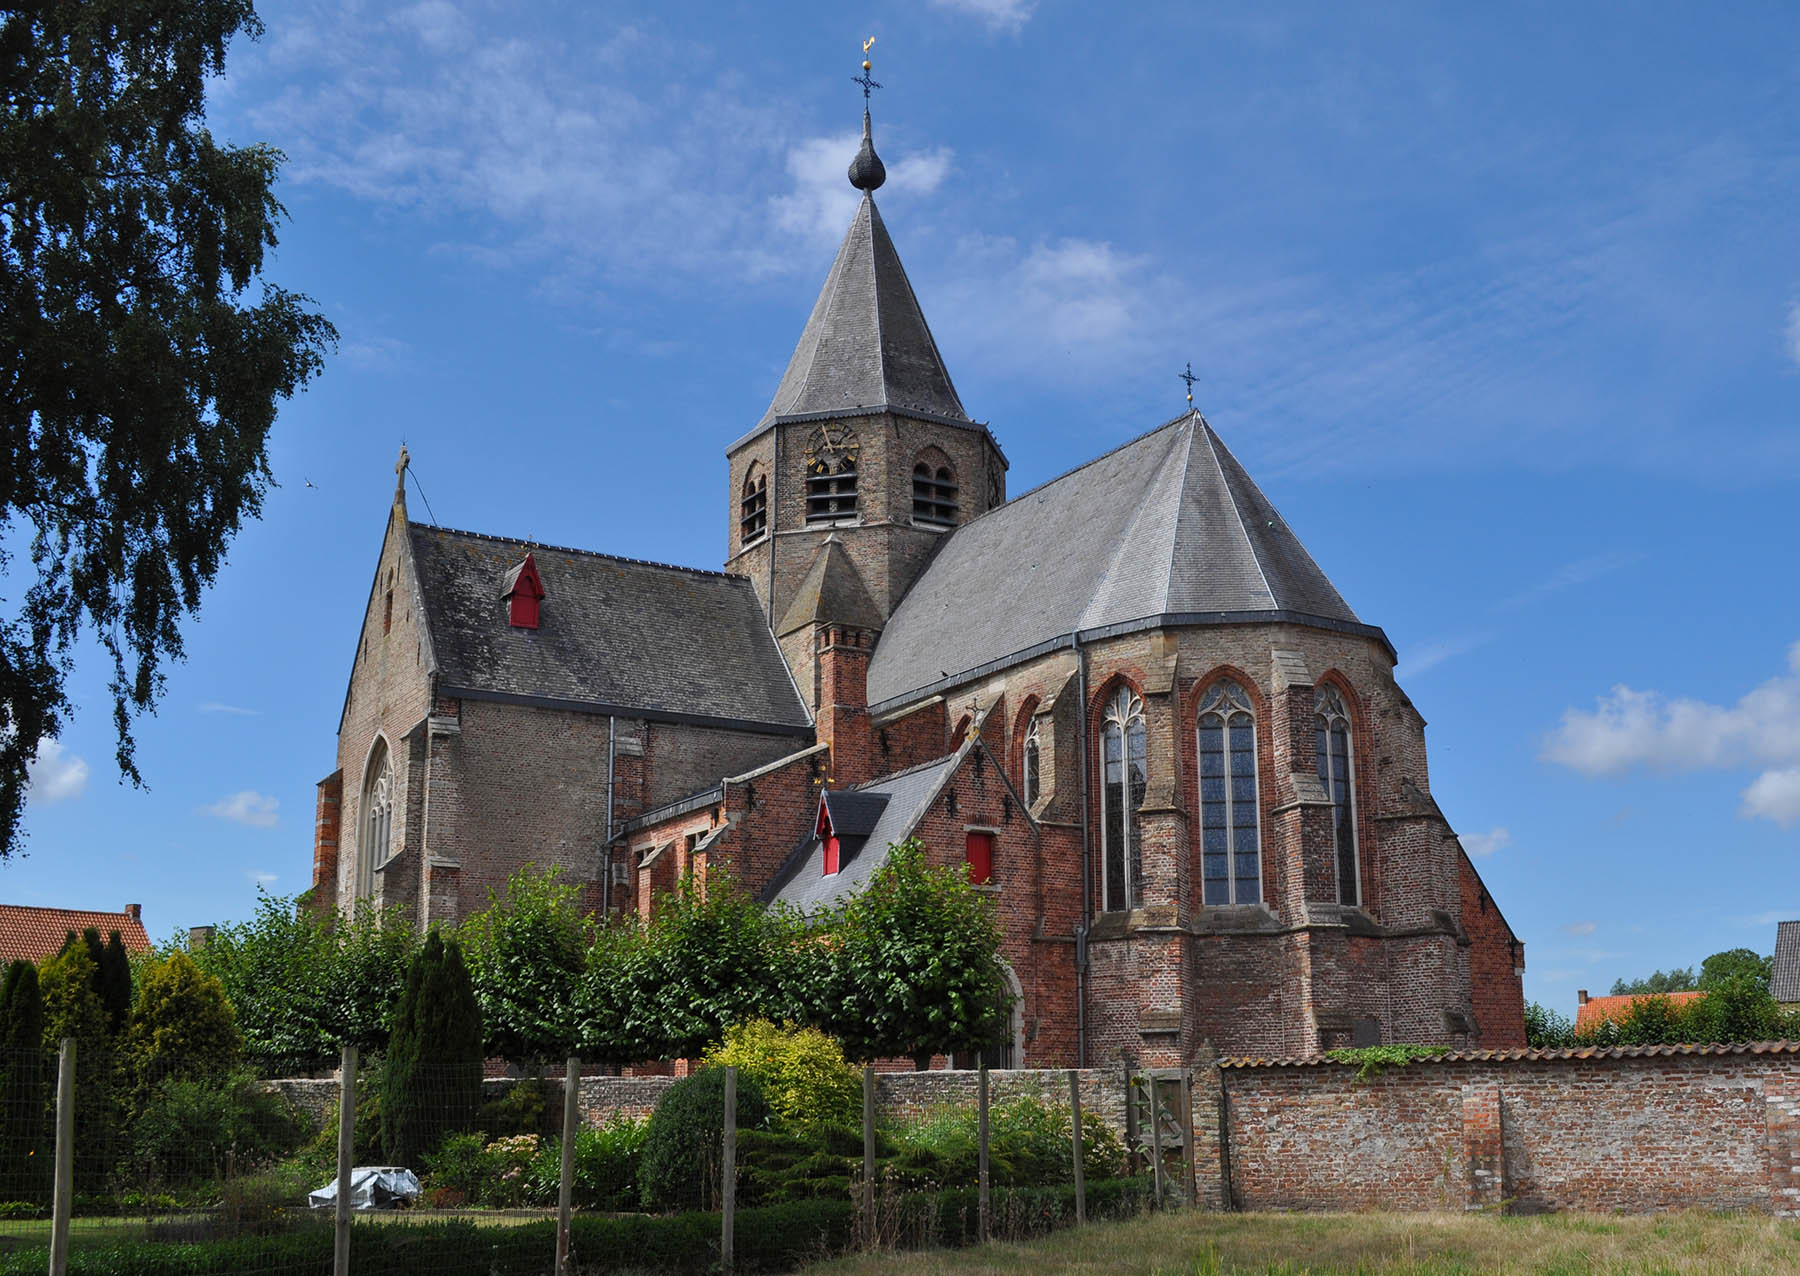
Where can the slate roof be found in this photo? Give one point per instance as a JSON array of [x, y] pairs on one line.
[[1784, 974], [903, 798], [831, 590], [32, 934], [1168, 525], [866, 346], [614, 633], [1598, 1010]]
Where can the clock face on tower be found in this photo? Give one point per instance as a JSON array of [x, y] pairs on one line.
[[829, 446]]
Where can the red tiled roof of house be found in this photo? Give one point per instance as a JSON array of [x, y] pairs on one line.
[[32, 934], [1597, 1010], [1502, 1056]]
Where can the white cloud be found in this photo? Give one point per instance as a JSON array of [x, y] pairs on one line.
[[215, 706], [1569, 575], [1580, 928], [1772, 916], [1480, 844], [999, 15], [1774, 795], [822, 202], [1432, 654], [55, 774], [263, 879], [1629, 728], [1793, 332], [258, 810]]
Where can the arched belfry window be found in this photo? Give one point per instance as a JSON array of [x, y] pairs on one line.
[[934, 495], [754, 520], [831, 457], [1031, 766], [1122, 783], [1337, 769], [376, 843], [1230, 832]]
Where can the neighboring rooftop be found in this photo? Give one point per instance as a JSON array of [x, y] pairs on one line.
[[32, 934], [1784, 973], [1597, 1010], [1489, 1056], [866, 347], [614, 633], [1168, 525]]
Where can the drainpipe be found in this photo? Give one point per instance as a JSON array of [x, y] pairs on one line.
[[1087, 901], [606, 863]]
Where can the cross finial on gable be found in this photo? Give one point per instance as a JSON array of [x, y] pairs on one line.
[[400, 476]]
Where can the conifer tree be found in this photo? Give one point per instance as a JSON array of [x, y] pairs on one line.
[[431, 1076], [26, 1152], [115, 984], [72, 1009]]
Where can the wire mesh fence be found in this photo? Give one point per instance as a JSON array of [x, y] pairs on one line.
[[122, 1162]]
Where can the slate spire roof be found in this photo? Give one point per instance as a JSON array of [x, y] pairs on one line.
[[1167, 529], [831, 591], [867, 346]]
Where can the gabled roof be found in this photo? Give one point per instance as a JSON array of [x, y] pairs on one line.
[[1784, 973], [831, 591], [904, 797], [866, 346], [615, 634], [1598, 1010], [1165, 529], [32, 934]]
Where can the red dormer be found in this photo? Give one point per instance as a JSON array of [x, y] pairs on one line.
[[524, 591], [828, 836]]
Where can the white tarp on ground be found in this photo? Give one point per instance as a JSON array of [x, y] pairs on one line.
[[372, 1187]]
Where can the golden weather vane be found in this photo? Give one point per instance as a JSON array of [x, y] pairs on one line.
[[864, 79]]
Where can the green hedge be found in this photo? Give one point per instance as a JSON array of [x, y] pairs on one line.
[[770, 1239]]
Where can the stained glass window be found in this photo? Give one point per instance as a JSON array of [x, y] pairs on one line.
[[1230, 831]]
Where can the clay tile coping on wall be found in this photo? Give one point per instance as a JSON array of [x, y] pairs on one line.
[[1498, 1056]]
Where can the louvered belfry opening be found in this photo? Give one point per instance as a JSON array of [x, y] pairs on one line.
[[933, 495], [831, 490]]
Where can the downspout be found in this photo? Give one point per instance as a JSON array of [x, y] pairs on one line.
[[606, 865], [1087, 868]]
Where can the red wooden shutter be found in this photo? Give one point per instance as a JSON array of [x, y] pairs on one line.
[[980, 854], [831, 855]]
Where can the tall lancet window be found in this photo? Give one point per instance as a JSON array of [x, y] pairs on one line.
[[1123, 774], [377, 816], [1337, 768], [1030, 767], [1231, 843]]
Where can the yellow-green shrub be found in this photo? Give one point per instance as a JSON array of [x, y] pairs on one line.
[[803, 1072]]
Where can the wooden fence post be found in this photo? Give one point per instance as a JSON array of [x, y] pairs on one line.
[[1155, 1137], [981, 1110], [728, 1176], [1077, 1140], [565, 1192], [1189, 1178], [868, 1187], [64, 1190], [340, 1254]]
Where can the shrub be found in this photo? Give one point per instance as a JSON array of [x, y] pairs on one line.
[[1028, 1146], [181, 1026], [187, 1126], [431, 1074], [26, 1142], [682, 1143], [523, 1107], [606, 1166], [802, 1071]]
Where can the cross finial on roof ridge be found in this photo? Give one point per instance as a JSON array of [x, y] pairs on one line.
[[400, 475]]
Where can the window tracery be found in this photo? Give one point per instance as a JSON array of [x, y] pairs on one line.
[[1124, 778], [1030, 766], [377, 816], [1230, 829], [1337, 771]]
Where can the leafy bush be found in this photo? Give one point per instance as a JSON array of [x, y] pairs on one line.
[[682, 1143], [802, 1071], [181, 1024], [1545, 1029], [525, 952], [1372, 1061], [1737, 1008], [606, 1166], [1028, 1146], [523, 1107], [186, 1127]]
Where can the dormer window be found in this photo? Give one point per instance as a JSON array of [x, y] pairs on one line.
[[524, 591], [828, 838], [934, 495]]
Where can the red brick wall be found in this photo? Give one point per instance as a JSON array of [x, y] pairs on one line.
[[1660, 1132], [1496, 988]]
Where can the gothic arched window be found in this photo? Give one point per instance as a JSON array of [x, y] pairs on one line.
[[1031, 766], [1122, 783], [1337, 769], [934, 495], [755, 507], [1230, 838], [376, 842]]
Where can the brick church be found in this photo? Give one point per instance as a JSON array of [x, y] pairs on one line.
[[1129, 700]]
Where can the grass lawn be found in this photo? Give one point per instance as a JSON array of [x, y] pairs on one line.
[[1183, 1244]]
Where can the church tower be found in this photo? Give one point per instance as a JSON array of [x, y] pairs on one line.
[[865, 457]]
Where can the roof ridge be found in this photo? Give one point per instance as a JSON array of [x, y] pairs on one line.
[[1237, 512], [532, 546], [52, 908]]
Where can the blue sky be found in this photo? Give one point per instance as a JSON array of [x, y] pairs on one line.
[[1501, 307]]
